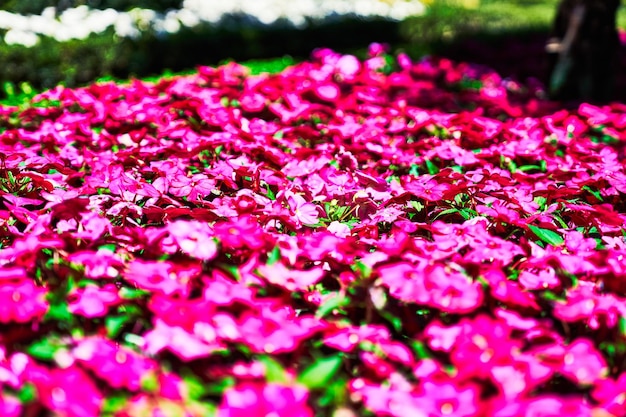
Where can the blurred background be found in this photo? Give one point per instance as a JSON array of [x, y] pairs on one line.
[[45, 42]]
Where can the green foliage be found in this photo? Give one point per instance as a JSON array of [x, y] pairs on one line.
[[320, 372], [37, 6], [104, 56], [547, 236]]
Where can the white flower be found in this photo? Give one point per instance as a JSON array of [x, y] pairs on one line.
[[20, 37], [81, 21]]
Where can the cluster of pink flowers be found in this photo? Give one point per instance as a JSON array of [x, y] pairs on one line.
[[380, 237]]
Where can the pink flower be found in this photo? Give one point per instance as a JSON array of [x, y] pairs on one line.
[[241, 232], [347, 338], [447, 398], [276, 329], [10, 406], [220, 290], [539, 279], [290, 279], [339, 229], [348, 66], [436, 286], [304, 212], [120, 367], [185, 345], [611, 394], [158, 276], [583, 364], [69, 392], [194, 188], [252, 102], [22, 301], [194, 238], [92, 300], [261, 400], [100, 264], [13, 369]]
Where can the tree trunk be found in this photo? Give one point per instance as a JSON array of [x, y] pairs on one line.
[[583, 50]]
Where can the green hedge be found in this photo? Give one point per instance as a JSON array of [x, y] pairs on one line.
[[78, 62], [37, 6]]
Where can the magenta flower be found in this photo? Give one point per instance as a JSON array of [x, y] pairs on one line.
[[120, 367], [194, 188], [93, 301], [22, 301], [449, 399], [303, 212], [347, 338], [260, 399], [185, 345], [157, 276], [275, 329], [539, 279], [252, 102], [100, 264], [611, 394], [290, 279], [339, 229], [435, 286], [583, 364], [243, 231], [10, 406], [194, 238], [221, 290], [70, 392]]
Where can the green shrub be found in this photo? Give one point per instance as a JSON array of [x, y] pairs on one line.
[[79, 62], [37, 6]]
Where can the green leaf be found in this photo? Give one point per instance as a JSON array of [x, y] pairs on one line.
[[59, 311], [525, 168], [551, 296], [541, 201], [468, 213], [593, 192], [333, 302], [233, 270], [132, 293], [560, 221], [363, 269], [335, 394], [274, 256], [421, 351], [432, 168], [114, 403], [195, 387], [150, 382], [444, 212], [27, 393], [622, 325], [547, 236], [114, 325], [321, 372], [269, 193], [217, 388], [109, 246], [44, 349], [395, 321], [274, 371]]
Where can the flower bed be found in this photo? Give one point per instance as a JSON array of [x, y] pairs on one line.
[[342, 238]]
